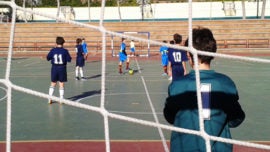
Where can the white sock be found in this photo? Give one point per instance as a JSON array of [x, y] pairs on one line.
[[76, 71], [81, 72], [51, 90], [61, 93]]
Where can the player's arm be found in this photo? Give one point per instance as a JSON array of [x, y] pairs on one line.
[[68, 57], [234, 111], [169, 68], [185, 59], [184, 67], [86, 49], [49, 56], [179, 102], [124, 51]]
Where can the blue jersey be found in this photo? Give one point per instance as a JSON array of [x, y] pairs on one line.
[[80, 61], [164, 55], [59, 58], [176, 57], [163, 50], [221, 110], [122, 52], [85, 49]]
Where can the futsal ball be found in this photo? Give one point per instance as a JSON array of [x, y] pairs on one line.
[[130, 72]]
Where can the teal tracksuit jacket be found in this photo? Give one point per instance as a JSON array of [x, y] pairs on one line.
[[220, 102]]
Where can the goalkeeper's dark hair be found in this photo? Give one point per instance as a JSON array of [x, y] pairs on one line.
[[60, 40], [203, 40]]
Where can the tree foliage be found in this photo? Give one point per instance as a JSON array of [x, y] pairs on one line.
[[95, 3]]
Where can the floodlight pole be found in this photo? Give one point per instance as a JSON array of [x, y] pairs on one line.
[[58, 9], [119, 11], [263, 9], [142, 10], [32, 17], [244, 9], [257, 9], [25, 20], [89, 17]]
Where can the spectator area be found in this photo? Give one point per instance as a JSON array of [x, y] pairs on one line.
[[231, 35]]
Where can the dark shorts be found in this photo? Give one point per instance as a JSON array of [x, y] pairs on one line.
[[80, 61], [177, 72], [59, 73]]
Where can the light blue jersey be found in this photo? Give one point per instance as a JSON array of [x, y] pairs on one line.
[[85, 49], [164, 55]]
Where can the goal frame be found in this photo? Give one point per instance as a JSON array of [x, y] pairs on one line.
[[114, 53]]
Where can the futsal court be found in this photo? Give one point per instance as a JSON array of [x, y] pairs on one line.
[[39, 127]]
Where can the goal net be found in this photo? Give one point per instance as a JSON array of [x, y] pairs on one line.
[[143, 41], [142, 48]]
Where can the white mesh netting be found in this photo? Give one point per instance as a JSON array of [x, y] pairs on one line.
[[102, 110]]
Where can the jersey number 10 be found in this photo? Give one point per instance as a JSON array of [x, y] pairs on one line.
[[177, 56]]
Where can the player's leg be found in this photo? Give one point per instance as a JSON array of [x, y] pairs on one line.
[[122, 59], [164, 65], [54, 79], [61, 90], [85, 56], [51, 91], [120, 67], [62, 79], [77, 73], [127, 63], [169, 70], [133, 51], [81, 73]]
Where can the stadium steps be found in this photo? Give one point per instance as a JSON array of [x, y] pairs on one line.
[[228, 33]]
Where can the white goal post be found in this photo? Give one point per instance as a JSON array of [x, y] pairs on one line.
[[142, 48]]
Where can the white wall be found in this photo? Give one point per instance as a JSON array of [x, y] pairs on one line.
[[160, 11]]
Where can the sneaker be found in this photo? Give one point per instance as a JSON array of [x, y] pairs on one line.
[[164, 74], [83, 78], [170, 78], [77, 78], [49, 101]]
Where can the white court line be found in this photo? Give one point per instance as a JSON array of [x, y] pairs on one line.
[[153, 110], [138, 66], [5, 95]]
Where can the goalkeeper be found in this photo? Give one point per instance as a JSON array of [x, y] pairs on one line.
[[221, 109]]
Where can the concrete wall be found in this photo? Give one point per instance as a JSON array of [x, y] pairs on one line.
[[159, 11]]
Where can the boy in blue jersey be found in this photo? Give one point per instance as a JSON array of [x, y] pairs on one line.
[[80, 59], [177, 59], [85, 49], [221, 109], [164, 58], [123, 57], [59, 57]]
